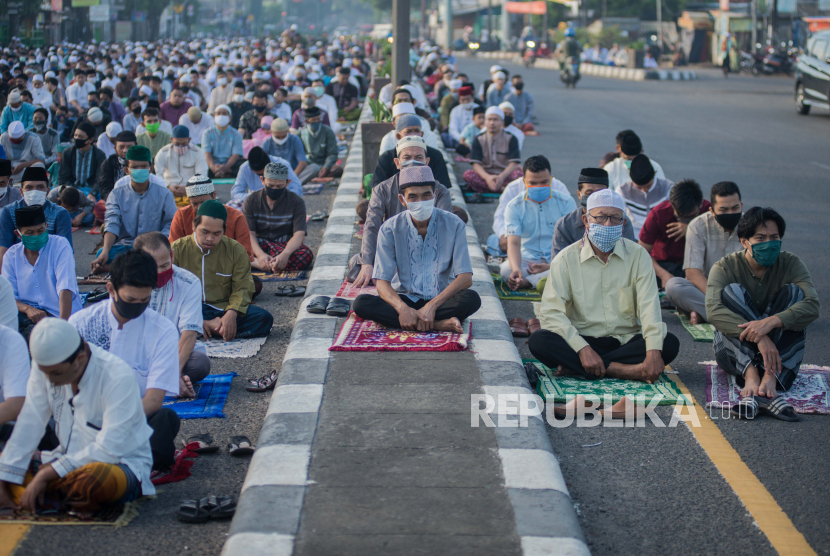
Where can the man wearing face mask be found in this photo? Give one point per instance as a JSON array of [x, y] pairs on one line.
[[23, 149], [460, 116], [664, 232], [238, 105], [41, 270], [250, 173], [384, 204], [154, 137], [495, 156], [133, 118], [249, 123], [281, 108], [8, 194], [387, 165], [222, 93], [16, 111], [507, 108], [116, 109], [309, 100], [125, 84], [76, 93], [427, 250], [629, 146], [289, 147], [40, 95], [761, 301], [600, 312], [523, 106], [142, 338], [179, 161], [325, 102], [81, 162], [529, 223], [112, 170], [643, 192], [709, 238], [174, 108], [223, 146], [320, 144]]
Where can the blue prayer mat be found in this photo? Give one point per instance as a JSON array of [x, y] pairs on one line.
[[211, 394]]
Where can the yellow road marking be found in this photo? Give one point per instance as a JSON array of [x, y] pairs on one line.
[[10, 535], [766, 512]]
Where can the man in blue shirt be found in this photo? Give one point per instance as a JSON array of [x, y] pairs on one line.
[[222, 145], [16, 111], [289, 147], [248, 180], [529, 222]]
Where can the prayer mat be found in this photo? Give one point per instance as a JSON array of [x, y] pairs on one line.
[[235, 203], [211, 393], [95, 230], [224, 181], [325, 181], [94, 279], [115, 515], [313, 188], [700, 332], [347, 291], [282, 276], [233, 349], [180, 470], [561, 389], [487, 195], [366, 335], [75, 229], [505, 293], [810, 392]]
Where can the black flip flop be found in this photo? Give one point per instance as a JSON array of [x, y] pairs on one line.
[[338, 307], [746, 408], [220, 507], [193, 511], [97, 295], [205, 442], [319, 216], [318, 305], [532, 372], [290, 291], [240, 446], [264, 383], [778, 408]]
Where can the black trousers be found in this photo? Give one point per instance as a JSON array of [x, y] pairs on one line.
[[675, 269], [552, 350], [165, 424], [372, 307]]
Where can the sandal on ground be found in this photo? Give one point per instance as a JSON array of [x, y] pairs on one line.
[[220, 507], [533, 325], [318, 305], [518, 328], [778, 408], [747, 408], [290, 291], [193, 511], [532, 372], [319, 216], [97, 295], [205, 442], [477, 199], [240, 446], [338, 307], [264, 383]]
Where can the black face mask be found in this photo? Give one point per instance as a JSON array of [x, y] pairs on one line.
[[129, 311], [728, 221], [274, 194], [80, 143], [508, 120], [93, 103], [519, 86], [105, 104], [137, 111], [260, 108]]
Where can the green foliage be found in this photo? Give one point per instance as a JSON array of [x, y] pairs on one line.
[[385, 70], [380, 111]]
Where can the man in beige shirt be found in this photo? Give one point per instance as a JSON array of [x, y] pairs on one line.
[[709, 238], [600, 311]]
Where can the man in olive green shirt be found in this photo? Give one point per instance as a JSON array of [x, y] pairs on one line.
[[600, 311], [224, 269], [760, 301], [154, 138]]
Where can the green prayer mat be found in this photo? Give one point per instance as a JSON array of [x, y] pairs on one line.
[[486, 195], [700, 332], [507, 294], [224, 181], [561, 389]]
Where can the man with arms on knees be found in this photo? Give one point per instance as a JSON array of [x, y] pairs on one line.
[[643, 191], [225, 270], [570, 228], [112, 170], [23, 148], [138, 207], [529, 222], [290, 148], [155, 138], [178, 297], [385, 203], [664, 231], [459, 117], [320, 144], [222, 145], [495, 156], [144, 339], [178, 162], [709, 238], [629, 146], [600, 309], [94, 395], [81, 161], [760, 301], [427, 250], [345, 94], [388, 165]]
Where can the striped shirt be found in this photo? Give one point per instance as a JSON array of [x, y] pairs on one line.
[[639, 203], [277, 224]]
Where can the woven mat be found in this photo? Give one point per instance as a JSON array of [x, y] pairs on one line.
[[94, 279], [211, 394], [96, 230], [486, 195], [116, 515], [505, 293], [810, 392], [700, 332], [561, 389], [180, 470], [365, 335], [313, 188], [282, 276], [224, 181], [233, 349], [347, 291]]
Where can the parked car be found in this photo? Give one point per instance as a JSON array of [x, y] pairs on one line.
[[812, 75]]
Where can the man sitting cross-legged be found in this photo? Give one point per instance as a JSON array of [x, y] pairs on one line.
[[426, 248], [144, 339], [225, 271], [385, 203], [104, 453], [178, 297], [387, 166], [600, 309], [760, 301], [495, 155], [529, 222]]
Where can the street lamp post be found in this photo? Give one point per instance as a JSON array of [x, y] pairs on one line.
[[660, 25], [400, 47], [448, 22]]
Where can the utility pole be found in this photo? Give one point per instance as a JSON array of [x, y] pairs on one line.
[[448, 22], [773, 25], [660, 26], [400, 50], [754, 25], [490, 19]]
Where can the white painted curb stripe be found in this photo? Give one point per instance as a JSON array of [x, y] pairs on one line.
[[308, 348], [334, 248], [495, 350], [296, 398], [334, 272], [532, 470], [259, 544], [553, 546], [279, 465]]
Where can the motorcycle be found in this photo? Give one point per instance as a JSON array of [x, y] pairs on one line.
[[529, 56], [780, 60], [751, 62], [569, 72], [473, 46]]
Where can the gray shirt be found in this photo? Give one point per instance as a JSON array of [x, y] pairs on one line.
[[425, 266], [130, 214], [570, 229], [639, 203], [49, 141], [707, 243], [385, 204]]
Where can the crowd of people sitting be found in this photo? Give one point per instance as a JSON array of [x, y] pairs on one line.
[[154, 126]]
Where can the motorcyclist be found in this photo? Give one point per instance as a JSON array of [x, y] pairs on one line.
[[570, 49]]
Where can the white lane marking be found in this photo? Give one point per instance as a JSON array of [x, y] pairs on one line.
[[308, 348], [296, 398], [259, 544], [334, 248], [531, 469], [282, 464], [333, 272], [495, 350], [552, 546], [820, 165]]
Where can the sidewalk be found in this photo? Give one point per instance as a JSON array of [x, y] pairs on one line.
[[363, 453]]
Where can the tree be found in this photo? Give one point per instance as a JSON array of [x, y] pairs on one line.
[[153, 9]]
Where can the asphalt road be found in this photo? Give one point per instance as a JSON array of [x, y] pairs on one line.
[[654, 490]]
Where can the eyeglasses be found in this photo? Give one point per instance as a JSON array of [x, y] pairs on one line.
[[602, 219]]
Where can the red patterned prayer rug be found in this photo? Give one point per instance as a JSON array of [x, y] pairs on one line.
[[365, 335], [347, 291], [180, 470]]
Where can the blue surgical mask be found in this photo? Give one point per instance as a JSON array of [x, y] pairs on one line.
[[140, 175], [538, 194]]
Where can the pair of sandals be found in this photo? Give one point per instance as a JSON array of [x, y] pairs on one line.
[[263, 383], [290, 291], [750, 407], [521, 329], [237, 445], [331, 306], [205, 509]]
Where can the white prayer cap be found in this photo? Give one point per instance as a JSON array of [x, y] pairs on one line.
[[507, 106], [199, 184], [456, 84], [95, 115], [495, 68], [113, 129], [122, 71], [145, 90], [495, 110], [14, 97], [410, 141], [50, 74], [185, 78], [16, 130], [53, 341], [499, 75], [605, 198], [403, 108], [37, 78]]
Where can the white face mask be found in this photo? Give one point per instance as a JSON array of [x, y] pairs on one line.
[[3, 191], [280, 141], [222, 120], [421, 210], [34, 197], [222, 81], [239, 99]]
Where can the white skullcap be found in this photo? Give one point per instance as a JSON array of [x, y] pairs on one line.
[[145, 90], [185, 78], [495, 68], [507, 106], [410, 141], [403, 108], [605, 198], [456, 84], [113, 129], [16, 130], [37, 77], [50, 74], [199, 184], [499, 75], [223, 107], [14, 97], [122, 71], [53, 341], [495, 110], [95, 115]]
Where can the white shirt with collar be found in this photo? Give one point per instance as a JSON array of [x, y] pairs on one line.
[[180, 301], [14, 364], [618, 172], [513, 190]]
